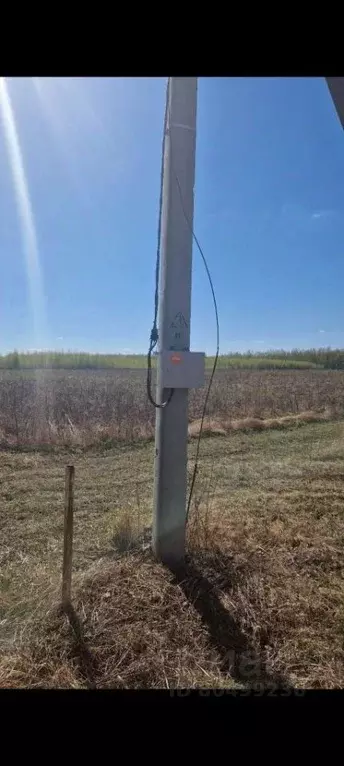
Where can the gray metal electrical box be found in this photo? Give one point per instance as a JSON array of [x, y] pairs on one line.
[[182, 369]]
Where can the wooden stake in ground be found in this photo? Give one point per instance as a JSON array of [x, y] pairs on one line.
[[68, 537]]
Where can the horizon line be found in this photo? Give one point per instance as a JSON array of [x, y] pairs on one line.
[[253, 352]]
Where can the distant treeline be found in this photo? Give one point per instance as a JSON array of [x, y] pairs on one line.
[[69, 360], [322, 358]]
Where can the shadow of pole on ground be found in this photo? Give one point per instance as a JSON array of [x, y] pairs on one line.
[[239, 659]]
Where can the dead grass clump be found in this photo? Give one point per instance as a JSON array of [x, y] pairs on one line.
[[214, 427], [302, 417], [126, 533], [246, 424], [211, 427]]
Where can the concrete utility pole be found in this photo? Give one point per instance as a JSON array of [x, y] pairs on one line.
[[174, 324], [336, 88]]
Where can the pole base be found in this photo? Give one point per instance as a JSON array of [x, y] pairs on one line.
[[169, 548]]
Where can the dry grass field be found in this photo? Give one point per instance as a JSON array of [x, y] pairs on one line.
[[259, 604], [84, 408]]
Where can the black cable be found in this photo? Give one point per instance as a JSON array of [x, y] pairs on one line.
[[211, 376], [154, 336], [217, 338]]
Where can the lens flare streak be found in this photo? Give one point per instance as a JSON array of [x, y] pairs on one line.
[[27, 222]]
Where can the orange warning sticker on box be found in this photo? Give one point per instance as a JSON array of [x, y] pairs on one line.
[[175, 358]]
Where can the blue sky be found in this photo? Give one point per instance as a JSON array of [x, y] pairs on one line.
[[269, 212]]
